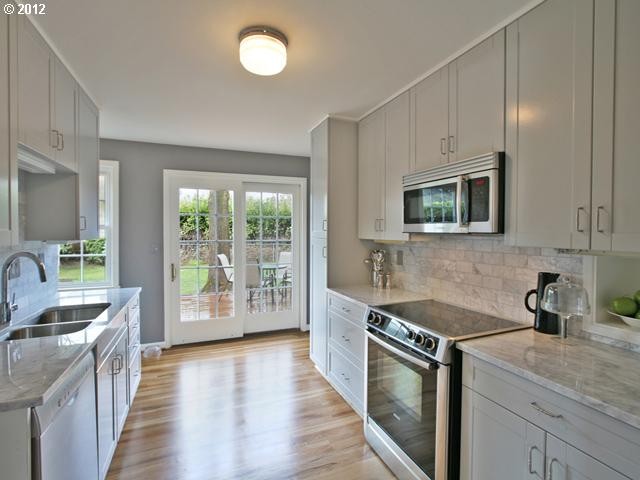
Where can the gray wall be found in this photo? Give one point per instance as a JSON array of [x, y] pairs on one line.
[[141, 167]]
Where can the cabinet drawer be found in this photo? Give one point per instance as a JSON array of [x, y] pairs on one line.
[[610, 441], [134, 337], [135, 372], [352, 310], [348, 336], [134, 306], [347, 379]]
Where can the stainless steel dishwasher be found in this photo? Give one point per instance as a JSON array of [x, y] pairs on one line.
[[64, 435]]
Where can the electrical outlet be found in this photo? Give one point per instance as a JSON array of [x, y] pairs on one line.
[[14, 271], [399, 257]]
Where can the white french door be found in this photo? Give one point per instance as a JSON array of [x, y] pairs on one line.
[[234, 255]]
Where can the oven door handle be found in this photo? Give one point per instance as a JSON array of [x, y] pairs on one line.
[[404, 355]]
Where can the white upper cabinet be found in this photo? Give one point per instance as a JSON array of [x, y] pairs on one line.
[[430, 117], [548, 132], [88, 168], [476, 100], [35, 75], [371, 175], [397, 165], [319, 173], [63, 121], [8, 141], [615, 221], [383, 159]]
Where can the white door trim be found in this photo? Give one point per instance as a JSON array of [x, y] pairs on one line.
[[301, 182]]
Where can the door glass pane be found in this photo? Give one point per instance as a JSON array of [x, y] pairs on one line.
[[269, 270], [206, 254]]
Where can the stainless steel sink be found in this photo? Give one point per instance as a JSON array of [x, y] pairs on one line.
[[36, 331], [72, 313]]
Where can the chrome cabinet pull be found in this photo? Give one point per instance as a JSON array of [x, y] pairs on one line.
[[344, 309], [550, 473], [598, 227], [346, 339], [581, 230], [56, 134], [61, 141], [83, 223], [443, 146], [382, 224], [346, 379], [324, 225], [530, 460], [173, 272], [451, 144], [324, 252], [544, 411]]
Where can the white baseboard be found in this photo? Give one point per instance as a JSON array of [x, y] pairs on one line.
[[153, 344]]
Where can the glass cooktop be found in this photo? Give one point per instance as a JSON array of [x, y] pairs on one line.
[[448, 321]]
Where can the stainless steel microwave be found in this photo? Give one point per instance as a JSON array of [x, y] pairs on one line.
[[460, 197]]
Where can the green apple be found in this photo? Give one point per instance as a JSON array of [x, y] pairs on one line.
[[636, 297], [638, 314], [624, 306]]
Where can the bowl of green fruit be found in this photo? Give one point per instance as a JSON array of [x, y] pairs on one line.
[[627, 309]]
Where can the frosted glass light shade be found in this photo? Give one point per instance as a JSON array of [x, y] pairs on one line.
[[263, 51]]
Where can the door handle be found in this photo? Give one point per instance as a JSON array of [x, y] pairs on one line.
[[451, 144], [173, 272], [443, 146]]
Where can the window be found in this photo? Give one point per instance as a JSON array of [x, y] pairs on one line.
[[94, 263]]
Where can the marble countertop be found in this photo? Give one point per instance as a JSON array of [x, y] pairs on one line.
[[597, 375], [368, 295], [32, 369]]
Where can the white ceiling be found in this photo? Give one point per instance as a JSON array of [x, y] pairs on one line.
[[168, 71]]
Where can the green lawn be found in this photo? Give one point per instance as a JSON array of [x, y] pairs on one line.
[[92, 273]]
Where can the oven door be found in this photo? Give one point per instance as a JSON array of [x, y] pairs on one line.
[[407, 399], [433, 207]]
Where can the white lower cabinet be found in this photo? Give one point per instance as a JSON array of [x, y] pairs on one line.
[[346, 349], [514, 429]]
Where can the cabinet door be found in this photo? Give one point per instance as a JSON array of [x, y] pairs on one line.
[[8, 140], [318, 302], [88, 167], [616, 115], [64, 116], [106, 415], [476, 100], [35, 68], [397, 165], [548, 136], [371, 171], [430, 105], [319, 173], [121, 400], [497, 444], [567, 463]]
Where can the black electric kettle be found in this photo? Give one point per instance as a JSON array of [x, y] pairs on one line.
[[545, 322]]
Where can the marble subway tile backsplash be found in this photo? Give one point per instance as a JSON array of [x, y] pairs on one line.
[[27, 286], [479, 273]]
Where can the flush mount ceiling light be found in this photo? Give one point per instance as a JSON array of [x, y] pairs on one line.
[[263, 50]]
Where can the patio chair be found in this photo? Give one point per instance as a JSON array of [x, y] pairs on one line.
[[283, 274], [228, 273]]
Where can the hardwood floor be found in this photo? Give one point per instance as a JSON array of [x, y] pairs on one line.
[[251, 409]]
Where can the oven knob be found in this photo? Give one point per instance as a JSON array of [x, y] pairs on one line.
[[371, 316], [411, 335], [377, 319], [420, 339], [430, 344]]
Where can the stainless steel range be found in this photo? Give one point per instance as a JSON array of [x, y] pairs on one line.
[[413, 384]]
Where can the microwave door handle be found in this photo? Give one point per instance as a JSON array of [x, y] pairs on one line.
[[464, 200]]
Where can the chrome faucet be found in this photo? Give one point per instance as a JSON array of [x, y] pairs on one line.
[[8, 307]]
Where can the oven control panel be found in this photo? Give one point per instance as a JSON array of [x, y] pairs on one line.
[[412, 337]]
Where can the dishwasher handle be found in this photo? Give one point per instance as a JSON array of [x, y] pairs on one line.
[[65, 395]]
